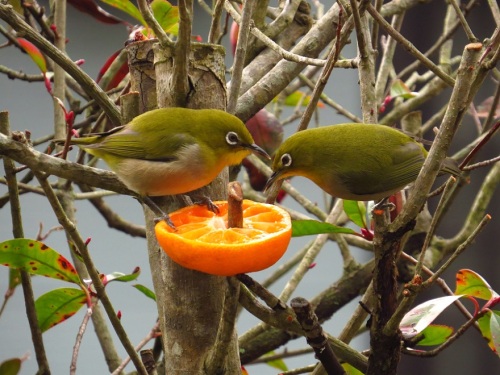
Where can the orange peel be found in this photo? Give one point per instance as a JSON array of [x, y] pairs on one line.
[[203, 242]]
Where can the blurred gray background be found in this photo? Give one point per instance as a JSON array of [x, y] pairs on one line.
[[30, 108]]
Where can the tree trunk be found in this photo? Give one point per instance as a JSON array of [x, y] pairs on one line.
[[190, 303]]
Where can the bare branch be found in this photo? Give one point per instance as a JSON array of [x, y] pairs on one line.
[[409, 47], [8, 14]]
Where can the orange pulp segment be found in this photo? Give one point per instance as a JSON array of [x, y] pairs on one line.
[[203, 242]]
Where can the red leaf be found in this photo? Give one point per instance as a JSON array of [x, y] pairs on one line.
[[266, 130], [233, 36], [34, 53], [91, 8], [120, 74]]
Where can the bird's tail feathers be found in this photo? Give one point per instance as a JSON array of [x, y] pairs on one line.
[[89, 139], [84, 141], [451, 166]]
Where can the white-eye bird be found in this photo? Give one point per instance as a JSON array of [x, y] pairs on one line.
[[172, 151], [353, 161]]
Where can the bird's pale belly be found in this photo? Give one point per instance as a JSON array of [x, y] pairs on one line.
[[154, 178]]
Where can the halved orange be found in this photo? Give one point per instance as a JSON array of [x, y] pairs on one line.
[[203, 242]]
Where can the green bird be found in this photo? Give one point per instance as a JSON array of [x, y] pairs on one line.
[[355, 161], [172, 151]]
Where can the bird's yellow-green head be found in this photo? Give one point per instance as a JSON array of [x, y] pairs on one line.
[[226, 136], [352, 161]]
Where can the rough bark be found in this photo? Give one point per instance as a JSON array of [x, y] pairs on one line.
[[190, 303]]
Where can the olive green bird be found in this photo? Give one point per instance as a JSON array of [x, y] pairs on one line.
[[172, 151], [360, 162]]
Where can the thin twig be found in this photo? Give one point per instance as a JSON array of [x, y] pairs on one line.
[[300, 370], [271, 44], [78, 341], [409, 46], [93, 273], [18, 232], [225, 332], [463, 22], [432, 227], [112, 218], [386, 63], [480, 164], [284, 354], [481, 143], [151, 335], [240, 55], [460, 249], [14, 74], [439, 42], [180, 86], [492, 113], [332, 58], [366, 69], [285, 267], [308, 259], [8, 14], [328, 101], [214, 33], [147, 14]]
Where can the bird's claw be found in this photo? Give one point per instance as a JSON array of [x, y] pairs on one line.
[[383, 204], [206, 201], [167, 220], [163, 216]]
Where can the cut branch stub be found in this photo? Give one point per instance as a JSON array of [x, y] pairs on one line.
[[206, 76]]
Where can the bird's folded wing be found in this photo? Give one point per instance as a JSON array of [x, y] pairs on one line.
[[129, 144]]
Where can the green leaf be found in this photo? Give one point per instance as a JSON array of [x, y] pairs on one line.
[[14, 278], [472, 284], [495, 332], [311, 227], [34, 53], [276, 363], [146, 291], [58, 305], [16, 4], [128, 7], [435, 334], [37, 258], [118, 276], [419, 318], [167, 16], [485, 326], [399, 89], [10, 366], [350, 370], [297, 97], [356, 212]]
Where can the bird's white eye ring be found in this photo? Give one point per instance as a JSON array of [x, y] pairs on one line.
[[286, 160], [232, 139]]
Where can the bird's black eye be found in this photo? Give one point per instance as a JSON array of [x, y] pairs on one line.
[[232, 139], [286, 160]]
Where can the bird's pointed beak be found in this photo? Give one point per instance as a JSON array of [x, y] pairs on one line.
[[258, 150], [274, 177]]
